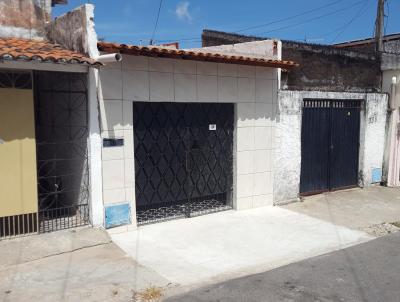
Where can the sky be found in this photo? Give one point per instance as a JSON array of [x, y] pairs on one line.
[[314, 21]]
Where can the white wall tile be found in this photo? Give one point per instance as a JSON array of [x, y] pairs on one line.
[[135, 62], [114, 196], [275, 91], [161, 64], [207, 68], [129, 172], [262, 138], [111, 83], [228, 70], [187, 81], [245, 162], [227, 89], [245, 185], [115, 65], [113, 174], [184, 66], [130, 197], [245, 139], [207, 88], [264, 114], [262, 183], [246, 90], [264, 91], [161, 87], [128, 144], [262, 200], [265, 72], [246, 71], [262, 160], [111, 153], [244, 203], [136, 85], [112, 118], [185, 88], [245, 114], [127, 115]]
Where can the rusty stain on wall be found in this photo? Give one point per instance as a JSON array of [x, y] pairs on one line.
[[29, 15], [69, 30]]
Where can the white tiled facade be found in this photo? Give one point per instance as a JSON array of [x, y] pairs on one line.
[[252, 89]]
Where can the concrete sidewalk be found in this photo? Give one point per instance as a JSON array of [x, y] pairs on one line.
[[229, 244], [371, 209], [73, 265]]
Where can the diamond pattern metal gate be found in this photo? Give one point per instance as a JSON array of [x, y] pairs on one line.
[[183, 159]]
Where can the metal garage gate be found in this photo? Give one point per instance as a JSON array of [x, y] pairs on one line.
[[329, 145], [183, 159]]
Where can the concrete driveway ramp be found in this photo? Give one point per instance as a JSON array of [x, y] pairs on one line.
[[235, 243]]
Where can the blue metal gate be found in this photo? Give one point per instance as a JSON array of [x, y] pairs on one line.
[[329, 145]]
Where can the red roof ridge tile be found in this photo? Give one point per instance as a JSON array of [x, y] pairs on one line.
[[194, 54]]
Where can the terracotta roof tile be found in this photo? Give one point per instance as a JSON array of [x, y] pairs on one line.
[[197, 55], [36, 50]]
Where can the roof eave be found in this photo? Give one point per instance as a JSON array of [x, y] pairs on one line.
[[189, 55]]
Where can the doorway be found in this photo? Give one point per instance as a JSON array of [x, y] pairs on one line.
[[330, 138], [183, 159]]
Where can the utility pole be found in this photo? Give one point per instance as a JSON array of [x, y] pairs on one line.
[[379, 25]]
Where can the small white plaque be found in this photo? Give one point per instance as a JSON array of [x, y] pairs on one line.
[[212, 127]]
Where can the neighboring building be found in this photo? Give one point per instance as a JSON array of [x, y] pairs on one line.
[[390, 66], [391, 44], [331, 118], [26, 18], [46, 111]]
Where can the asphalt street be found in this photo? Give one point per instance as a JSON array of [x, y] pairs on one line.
[[366, 272]]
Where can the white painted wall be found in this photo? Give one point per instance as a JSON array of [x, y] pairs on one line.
[[374, 135], [392, 154], [252, 89], [268, 49], [94, 140], [287, 158]]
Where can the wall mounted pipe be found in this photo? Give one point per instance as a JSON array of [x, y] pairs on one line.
[[109, 58]]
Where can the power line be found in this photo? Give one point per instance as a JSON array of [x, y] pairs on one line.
[[196, 39], [358, 14], [312, 19], [290, 17], [156, 24]]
